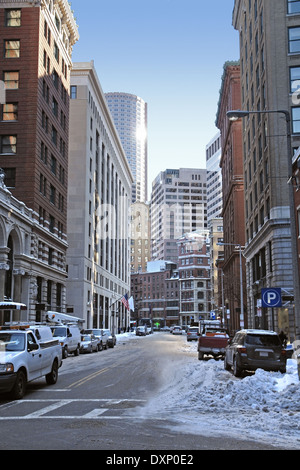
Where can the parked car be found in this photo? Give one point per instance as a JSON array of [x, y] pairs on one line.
[[165, 328], [68, 337], [111, 339], [141, 331], [255, 349], [89, 343], [192, 333], [102, 339], [177, 330], [27, 354]]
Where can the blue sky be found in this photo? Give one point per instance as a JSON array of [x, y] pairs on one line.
[[170, 53]]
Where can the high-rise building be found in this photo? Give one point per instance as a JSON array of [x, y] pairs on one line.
[[140, 249], [129, 113], [214, 178], [98, 206], [178, 206], [270, 70], [37, 40], [233, 198]]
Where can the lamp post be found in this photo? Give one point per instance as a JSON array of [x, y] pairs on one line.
[[240, 247], [234, 115]]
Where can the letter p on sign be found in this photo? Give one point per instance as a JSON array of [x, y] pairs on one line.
[[271, 298]]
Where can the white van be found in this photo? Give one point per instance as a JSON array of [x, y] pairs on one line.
[[69, 338]]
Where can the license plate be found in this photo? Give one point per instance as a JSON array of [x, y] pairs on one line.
[[263, 354]]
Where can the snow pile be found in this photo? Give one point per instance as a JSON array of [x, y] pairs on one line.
[[207, 400]]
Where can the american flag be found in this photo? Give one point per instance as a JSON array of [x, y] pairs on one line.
[[125, 302]]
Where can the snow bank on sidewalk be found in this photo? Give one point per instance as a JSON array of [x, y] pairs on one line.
[[204, 399]]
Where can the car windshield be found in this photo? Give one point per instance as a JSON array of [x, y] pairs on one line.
[[12, 342], [86, 338], [263, 340], [59, 331]]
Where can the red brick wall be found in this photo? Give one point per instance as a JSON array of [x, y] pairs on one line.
[[31, 104]]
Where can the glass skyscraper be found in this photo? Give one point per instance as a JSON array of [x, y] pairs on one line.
[[129, 113]]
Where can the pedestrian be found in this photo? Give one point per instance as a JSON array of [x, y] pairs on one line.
[[283, 338]]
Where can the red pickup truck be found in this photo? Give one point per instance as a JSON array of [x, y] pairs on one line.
[[212, 342]]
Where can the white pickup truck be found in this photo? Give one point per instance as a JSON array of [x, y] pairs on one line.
[[27, 353]]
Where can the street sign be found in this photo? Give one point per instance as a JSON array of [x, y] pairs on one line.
[[271, 298]]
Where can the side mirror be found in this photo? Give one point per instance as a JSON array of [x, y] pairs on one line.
[[32, 347]]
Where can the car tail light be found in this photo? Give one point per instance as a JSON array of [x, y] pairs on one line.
[[283, 352], [242, 350]]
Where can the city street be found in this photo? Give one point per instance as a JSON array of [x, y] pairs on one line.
[[121, 399]]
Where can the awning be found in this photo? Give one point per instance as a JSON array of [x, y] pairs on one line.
[[12, 306]]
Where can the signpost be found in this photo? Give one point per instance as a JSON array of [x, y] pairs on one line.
[[271, 298]]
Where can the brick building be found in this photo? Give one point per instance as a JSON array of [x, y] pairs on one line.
[[37, 39], [233, 194], [156, 293], [194, 277]]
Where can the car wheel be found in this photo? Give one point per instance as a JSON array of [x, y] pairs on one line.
[[200, 356], [19, 388], [237, 371], [65, 353], [226, 365], [77, 351], [51, 378], [100, 346]]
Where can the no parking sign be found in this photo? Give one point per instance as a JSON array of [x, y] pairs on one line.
[[271, 298]]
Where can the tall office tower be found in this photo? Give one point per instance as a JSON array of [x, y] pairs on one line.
[[129, 113], [214, 178], [270, 71], [140, 249], [178, 206], [98, 206], [37, 39]]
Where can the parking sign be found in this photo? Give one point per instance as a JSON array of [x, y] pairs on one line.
[[271, 298]]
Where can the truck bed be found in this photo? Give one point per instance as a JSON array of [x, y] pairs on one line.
[[212, 343]]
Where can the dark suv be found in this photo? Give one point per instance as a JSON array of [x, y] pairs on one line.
[[255, 349]]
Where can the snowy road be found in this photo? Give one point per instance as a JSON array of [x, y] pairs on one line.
[[202, 398]]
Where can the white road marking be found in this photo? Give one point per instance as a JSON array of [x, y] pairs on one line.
[[53, 404]]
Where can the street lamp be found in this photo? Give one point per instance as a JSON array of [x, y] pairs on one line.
[[234, 115], [240, 247]]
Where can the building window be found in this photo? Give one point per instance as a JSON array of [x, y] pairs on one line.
[[54, 136], [9, 144], [293, 6], [294, 39], [55, 79], [55, 107], [56, 52], [13, 18], [73, 92], [10, 177], [11, 49], [10, 112], [51, 223], [296, 120], [294, 79], [52, 194], [11, 80]]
